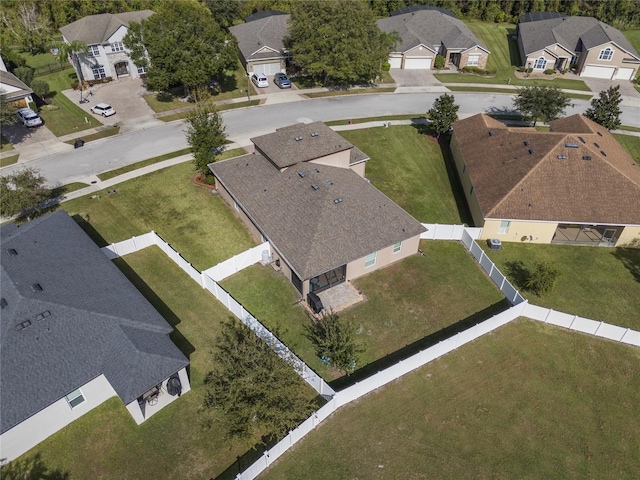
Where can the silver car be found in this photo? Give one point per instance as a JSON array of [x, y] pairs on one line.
[[29, 118]]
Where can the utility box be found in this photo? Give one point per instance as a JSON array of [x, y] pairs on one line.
[[314, 302], [495, 244]]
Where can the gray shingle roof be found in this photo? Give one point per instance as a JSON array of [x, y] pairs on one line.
[[95, 321], [96, 29], [10, 80], [311, 231], [569, 32], [430, 28], [265, 32]]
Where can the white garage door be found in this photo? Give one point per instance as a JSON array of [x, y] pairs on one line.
[[267, 68], [395, 62], [413, 63], [623, 74], [598, 72]]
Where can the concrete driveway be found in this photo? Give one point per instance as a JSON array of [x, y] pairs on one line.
[[414, 78], [21, 136], [630, 95], [124, 95]]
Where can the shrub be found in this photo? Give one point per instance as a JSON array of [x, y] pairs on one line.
[[549, 71], [439, 62], [40, 88], [477, 71], [542, 278], [33, 106], [25, 74], [386, 66]]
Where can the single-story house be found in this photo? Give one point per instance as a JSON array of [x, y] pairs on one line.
[[425, 32], [75, 332], [261, 42], [573, 185], [14, 90], [107, 56], [304, 191], [549, 40]]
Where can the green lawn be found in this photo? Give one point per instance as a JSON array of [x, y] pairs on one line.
[[631, 144], [529, 401], [198, 225], [504, 59], [597, 283], [634, 37], [6, 161], [109, 131], [406, 303], [409, 167], [410, 116], [174, 443]]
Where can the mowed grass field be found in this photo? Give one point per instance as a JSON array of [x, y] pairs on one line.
[[529, 401], [175, 443]]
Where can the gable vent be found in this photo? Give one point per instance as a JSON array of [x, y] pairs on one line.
[[12, 251], [562, 157], [531, 151], [3, 302], [527, 143], [314, 186], [571, 145], [301, 174], [586, 157], [36, 287]]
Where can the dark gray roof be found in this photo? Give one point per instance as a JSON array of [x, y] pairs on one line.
[[265, 32], [263, 14], [430, 28], [306, 225], [415, 8], [11, 80], [96, 29], [569, 32], [86, 320], [535, 16], [282, 148]]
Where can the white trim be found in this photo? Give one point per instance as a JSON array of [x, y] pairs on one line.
[[608, 50], [397, 247], [262, 48], [368, 259]]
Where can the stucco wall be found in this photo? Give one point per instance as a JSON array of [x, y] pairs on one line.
[[384, 258], [420, 51], [531, 59], [253, 230], [45, 423], [591, 58], [359, 168], [630, 236], [465, 180], [535, 232], [339, 159], [482, 61]]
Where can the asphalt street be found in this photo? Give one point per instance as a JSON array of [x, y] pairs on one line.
[[242, 124]]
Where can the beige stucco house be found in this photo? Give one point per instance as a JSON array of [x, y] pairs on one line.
[[549, 40], [572, 185], [424, 32], [304, 191]]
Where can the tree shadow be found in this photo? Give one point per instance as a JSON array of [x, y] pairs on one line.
[[499, 113], [165, 97], [31, 468], [630, 258], [518, 273], [419, 345], [247, 459]]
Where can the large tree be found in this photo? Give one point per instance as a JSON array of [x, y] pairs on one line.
[[255, 390], [605, 109], [336, 342], [22, 192], [443, 113], [337, 41], [7, 112], [541, 103], [206, 135], [28, 25], [181, 44]]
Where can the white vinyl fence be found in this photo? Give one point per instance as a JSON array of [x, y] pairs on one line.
[[239, 262], [229, 267], [436, 231]]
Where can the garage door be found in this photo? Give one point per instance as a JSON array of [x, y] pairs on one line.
[[266, 68], [395, 62], [598, 72], [623, 74], [413, 63]]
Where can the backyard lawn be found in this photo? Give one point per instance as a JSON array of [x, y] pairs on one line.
[[201, 227], [594, 282], [406, 302], [504, 59], [176, 442], [528, 401], [409, 167]]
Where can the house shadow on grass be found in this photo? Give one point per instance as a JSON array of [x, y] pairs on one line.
[[247, 459], [630, 258], [419, 345]]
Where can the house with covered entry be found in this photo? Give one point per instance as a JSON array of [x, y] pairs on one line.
[[74, 333], [261, 42], [14, 90], [551, 40], [425, 31], [572, 185], [304, 191], [107, 56]]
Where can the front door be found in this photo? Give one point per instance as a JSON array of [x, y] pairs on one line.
[[121, 68], [608, 237]]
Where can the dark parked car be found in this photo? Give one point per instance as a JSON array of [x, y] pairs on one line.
[[281, 80]]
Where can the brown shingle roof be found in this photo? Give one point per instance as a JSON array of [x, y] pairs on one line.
[[282, 148], [512, 183], [313, 232]]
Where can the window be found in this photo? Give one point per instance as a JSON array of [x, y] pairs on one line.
[[142, 70], [397, 247], [370, 260], [117, 47], [98, 72], [473, 60], [540, 63], [75, 398], [504, 226], [94, 51], [606, 54]]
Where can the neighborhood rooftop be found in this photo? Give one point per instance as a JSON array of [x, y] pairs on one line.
[[97, 29], [68, 316], [261, 37]]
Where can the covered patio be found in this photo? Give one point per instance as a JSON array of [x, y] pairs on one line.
[[593, 235]]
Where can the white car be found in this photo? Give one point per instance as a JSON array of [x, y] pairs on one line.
[[28, 117], [260, 80], [103, 109]]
